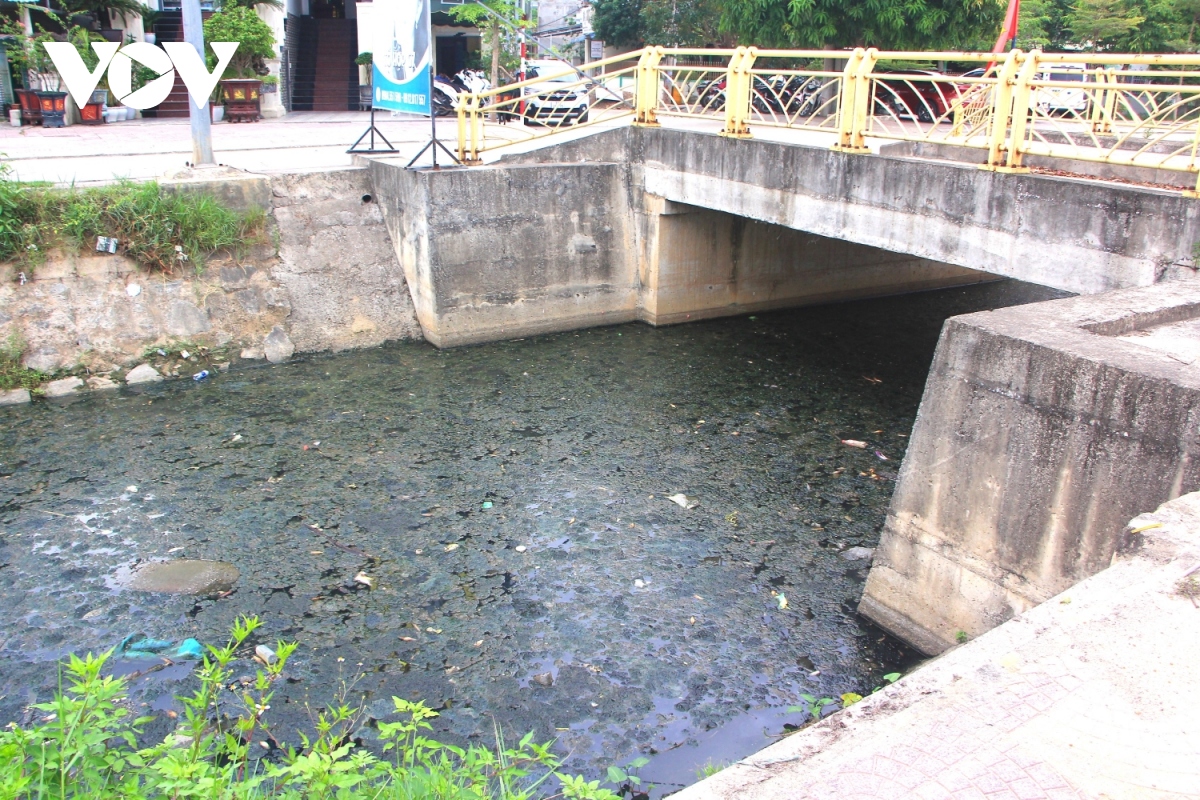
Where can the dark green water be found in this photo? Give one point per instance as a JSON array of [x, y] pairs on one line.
[[658, 624]]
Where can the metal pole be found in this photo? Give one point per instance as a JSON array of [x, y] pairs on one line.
[[193, 34]]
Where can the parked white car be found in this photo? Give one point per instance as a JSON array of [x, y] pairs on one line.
[[1052, 99], [561, 97]]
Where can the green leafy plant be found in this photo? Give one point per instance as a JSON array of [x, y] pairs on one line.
[[364, 59], [256, 41], [708, 769], [86, 746], [961, 637], [813, 706]]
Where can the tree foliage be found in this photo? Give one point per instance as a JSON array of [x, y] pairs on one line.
[[886, 24], [1136, 26], [681, 23]]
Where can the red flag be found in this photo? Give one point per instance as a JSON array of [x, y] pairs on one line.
[[1008, 34]]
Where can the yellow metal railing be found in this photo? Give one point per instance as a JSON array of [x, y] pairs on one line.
[[1132, 110]]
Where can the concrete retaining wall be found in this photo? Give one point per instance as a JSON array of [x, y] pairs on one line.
[[1043, 428], [332, 285], [499, 253], [1092, 694]]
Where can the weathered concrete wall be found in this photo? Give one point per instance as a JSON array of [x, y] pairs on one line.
[[697, 264], [333, 284], [1092, 694], [337, 265], [496, 253], [1077, 236], [1042, 429]]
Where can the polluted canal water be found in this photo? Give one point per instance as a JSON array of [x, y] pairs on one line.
[[634, 541]]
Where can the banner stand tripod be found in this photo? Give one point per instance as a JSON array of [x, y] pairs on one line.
[[371, 131], [433, 144]]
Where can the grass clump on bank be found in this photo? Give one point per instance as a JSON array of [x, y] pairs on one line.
[[12, 374], [86, 745], [160, 230]]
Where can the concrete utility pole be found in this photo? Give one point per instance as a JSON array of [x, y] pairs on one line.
[[193, 34]]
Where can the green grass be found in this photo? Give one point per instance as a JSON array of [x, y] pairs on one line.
[[12, 374], [85, 744], [163, 231]]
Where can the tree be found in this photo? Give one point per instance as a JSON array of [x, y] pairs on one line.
[[1043, 25], [256, 41], [679, 23], [618, 22], [886, 24], [490, 16]]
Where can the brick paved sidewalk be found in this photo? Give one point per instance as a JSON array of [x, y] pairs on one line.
[[142, 149]]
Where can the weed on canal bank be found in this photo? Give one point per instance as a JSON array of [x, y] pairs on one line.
[[85, 744]]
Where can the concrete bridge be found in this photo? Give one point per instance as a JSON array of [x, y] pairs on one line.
[[1043, 429], [668, 225]]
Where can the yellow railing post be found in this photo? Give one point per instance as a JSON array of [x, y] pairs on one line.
[[739, 84], [649, 86], [846, 100], [863, 98], [1002, 108], [462, 129], [1099, 101], [1022, 106], [1110, 102], [476, 123]]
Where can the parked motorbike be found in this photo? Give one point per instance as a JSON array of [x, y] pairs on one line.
[[447, 92]]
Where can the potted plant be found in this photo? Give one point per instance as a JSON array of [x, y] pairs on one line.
[[92, 112], [42, 98], [256, 43], [365, 74], [150, 17]]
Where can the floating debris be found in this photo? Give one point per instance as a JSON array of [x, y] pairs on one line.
[[365, 579], [854, 443], [683, 501]]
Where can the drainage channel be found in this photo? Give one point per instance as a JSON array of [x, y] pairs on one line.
[[635, 541]]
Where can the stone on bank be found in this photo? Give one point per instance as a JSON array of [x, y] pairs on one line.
[[142, 373], [14, 397], [63, 387]]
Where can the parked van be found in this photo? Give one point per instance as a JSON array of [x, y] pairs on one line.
[[1052, 99]]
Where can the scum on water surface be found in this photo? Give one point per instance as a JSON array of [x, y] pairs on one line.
[[510, 503]]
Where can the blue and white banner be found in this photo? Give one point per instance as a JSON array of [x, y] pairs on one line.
[[402, 56]]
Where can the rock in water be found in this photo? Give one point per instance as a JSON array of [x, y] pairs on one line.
[[858, 553], [142, 373], [185, 576], [99, 383], [277, 346], [62, 388], [544, 679]]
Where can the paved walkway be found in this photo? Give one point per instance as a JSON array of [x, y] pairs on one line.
[[149, 148], [141, 149], [1093, 694]]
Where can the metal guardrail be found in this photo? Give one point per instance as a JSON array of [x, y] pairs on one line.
[[1129, 110]]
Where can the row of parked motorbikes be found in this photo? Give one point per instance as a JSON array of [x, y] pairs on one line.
[[447, 91]]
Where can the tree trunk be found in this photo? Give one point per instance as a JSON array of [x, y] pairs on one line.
[[495, 54], [495, 60]]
